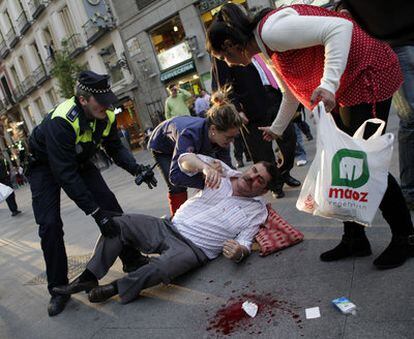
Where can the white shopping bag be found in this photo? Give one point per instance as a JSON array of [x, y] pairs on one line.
[[5, 191], [349, 175]]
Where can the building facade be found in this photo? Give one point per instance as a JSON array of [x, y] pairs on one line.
[[31, 33]]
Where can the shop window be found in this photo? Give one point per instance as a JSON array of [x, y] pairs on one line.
[[112, 65], [170, 44]]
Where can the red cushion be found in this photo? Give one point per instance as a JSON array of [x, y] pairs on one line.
[[276, 234]]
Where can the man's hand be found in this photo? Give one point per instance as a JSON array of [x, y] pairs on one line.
[[268, 135], [145, 174], [104, 219], [328, 98], [244, 118], [233, 250], [212, 176]]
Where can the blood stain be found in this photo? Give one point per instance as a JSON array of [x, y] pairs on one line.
[[231, 317]]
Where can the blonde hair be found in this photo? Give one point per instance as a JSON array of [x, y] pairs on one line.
[[223, 114]]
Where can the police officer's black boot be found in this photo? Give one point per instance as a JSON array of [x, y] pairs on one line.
[[354, 243], [57, 304], [132, 259]]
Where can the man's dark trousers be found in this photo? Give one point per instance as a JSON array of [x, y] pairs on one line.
[[46, 207]]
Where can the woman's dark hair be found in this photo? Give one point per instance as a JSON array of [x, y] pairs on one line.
[[232, 23]]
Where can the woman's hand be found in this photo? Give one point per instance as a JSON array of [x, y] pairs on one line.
[[268, 135], [212, 177], [328, 98]]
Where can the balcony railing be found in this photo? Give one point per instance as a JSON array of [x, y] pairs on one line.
[[36, 7], [4, 50], [12, 38], [74, 45], [28, 85], [94, 31], [39, 74], [22, 23]]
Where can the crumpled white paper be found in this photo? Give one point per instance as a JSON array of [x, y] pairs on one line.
[[250, 308]]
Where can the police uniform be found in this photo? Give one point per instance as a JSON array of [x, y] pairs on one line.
[[61, 148]]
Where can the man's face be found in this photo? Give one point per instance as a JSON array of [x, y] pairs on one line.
[[254, 181], [174, 91], [92, 108]]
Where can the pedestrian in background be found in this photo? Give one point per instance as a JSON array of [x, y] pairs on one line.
[[176, 103], [5, 180]]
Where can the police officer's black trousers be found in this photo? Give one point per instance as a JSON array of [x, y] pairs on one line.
[[46, 208]]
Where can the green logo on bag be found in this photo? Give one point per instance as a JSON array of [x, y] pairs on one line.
[[350, 168]]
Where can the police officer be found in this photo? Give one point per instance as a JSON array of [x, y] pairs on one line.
[[61, 148]]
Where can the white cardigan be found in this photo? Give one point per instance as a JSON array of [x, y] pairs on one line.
[[286, 30]]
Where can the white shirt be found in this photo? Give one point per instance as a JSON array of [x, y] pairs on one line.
[[286, 30], [213, 216]]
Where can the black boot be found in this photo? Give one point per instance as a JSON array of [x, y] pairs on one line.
[[348, 247], [57, 304], [398, 251]]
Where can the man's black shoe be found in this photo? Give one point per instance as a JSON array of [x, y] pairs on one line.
[[348, 247], [102, 293], [76, 286], [290, 181], [57, 304], [14, 213], [397, 252], [133, 265]]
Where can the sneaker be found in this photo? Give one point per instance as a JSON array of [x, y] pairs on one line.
[[301, 163]]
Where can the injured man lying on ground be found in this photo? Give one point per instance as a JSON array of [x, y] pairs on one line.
[[223, 218]]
